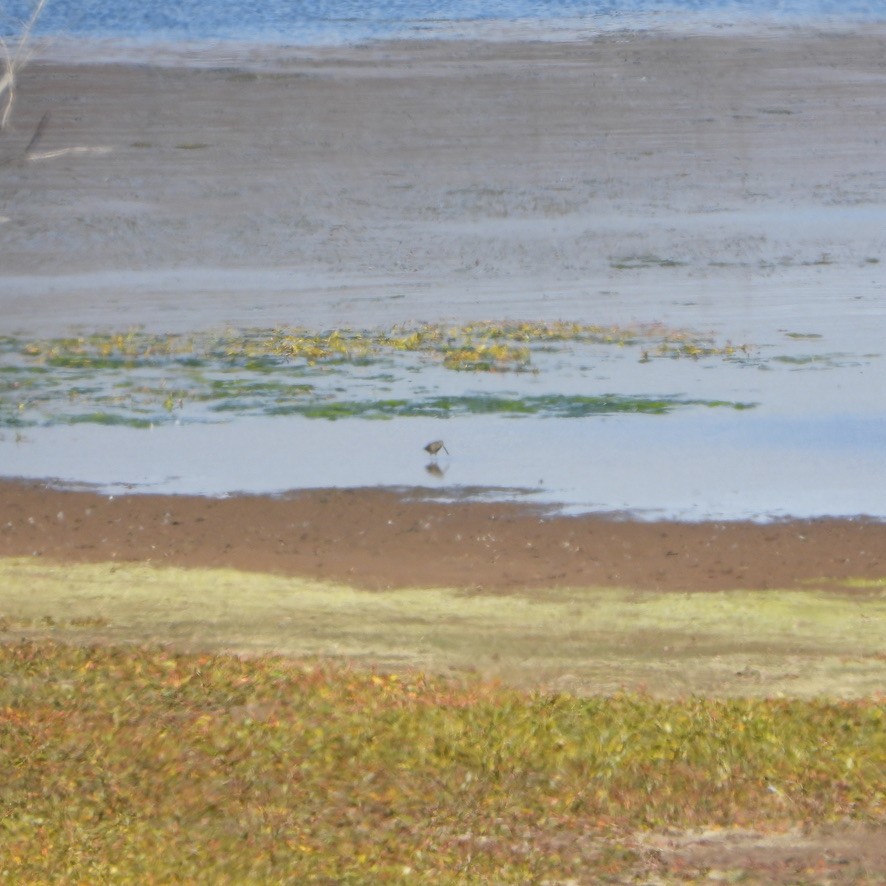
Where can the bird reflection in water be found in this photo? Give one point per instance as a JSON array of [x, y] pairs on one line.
[[435, 470]]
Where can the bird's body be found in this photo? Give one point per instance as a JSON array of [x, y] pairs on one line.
[[435, 446]]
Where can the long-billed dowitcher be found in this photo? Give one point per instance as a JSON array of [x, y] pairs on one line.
[[435, 446]]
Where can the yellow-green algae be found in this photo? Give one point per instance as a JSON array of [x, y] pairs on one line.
[[487, 345], [589, 640], [138, 378]]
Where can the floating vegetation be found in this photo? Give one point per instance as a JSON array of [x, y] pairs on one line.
[[549, 406], [635, 262], [487, 358], [106, 418], [137, 378], [502, 346], [815, 361]]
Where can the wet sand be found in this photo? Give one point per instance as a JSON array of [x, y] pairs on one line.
[[725, 182], [378, 539]]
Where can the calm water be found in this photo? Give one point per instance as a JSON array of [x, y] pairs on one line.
[[346, 21]]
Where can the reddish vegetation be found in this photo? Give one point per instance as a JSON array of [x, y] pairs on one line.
[[137, 765]]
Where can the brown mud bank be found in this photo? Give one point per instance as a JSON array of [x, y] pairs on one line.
[[383, 539]]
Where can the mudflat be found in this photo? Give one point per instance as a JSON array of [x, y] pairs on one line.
[[378, 539], [728, 181]]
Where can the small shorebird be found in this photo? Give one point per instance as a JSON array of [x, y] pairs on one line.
[[435, 446]]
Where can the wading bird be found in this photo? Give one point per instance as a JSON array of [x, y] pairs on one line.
[[435, 446]]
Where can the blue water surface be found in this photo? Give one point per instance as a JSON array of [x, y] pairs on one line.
[[345, 21]]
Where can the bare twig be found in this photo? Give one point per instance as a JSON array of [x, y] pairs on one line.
[[38, 134], [13, 60]]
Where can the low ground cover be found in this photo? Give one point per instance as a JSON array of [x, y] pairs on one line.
[[127, 764]]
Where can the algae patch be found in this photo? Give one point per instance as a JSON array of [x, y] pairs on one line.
[[139, 379], [587, 640]]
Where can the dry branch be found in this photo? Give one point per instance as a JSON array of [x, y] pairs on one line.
[[13, 60]]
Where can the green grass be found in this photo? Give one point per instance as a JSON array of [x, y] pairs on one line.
[[137, 765]]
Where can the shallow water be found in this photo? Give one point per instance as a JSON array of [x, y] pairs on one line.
[[811, 445], [809, 442], [320, 22], [700, 466]]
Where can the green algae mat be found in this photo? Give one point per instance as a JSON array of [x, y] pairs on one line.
[[139, 379]]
